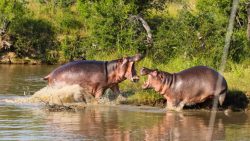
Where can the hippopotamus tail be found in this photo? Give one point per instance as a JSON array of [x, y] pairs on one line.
[[222, 97]]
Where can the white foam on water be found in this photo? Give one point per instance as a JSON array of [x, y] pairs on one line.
[[63, 95], [53, 95]]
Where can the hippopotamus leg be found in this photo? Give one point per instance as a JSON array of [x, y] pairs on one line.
[[180, 106], [116, 89], [88, 98], [222, 98], [99, 93], [176, 107], [171, 105], [174, 104]]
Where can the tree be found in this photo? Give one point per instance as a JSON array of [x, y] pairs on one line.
[[248, 20], [11, 12], [110, 27]]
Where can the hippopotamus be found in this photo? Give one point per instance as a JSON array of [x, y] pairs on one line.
[[95, 76], [187, 87]]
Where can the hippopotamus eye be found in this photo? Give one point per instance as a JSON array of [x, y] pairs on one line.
[[161, 76]]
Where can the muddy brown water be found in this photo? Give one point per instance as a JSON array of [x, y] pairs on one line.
[[118, 123]]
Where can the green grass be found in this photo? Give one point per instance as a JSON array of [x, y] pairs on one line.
[[238, 78]]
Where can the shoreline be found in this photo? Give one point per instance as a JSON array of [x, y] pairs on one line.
[[78, 106], [22, 61]]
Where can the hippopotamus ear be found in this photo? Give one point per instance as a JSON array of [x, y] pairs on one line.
[[124, 61], [161, 75], [136, 58], [154, 73]]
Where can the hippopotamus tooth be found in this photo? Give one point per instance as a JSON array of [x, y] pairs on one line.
[[190, 86]]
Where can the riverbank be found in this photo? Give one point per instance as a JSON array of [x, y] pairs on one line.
[[237, 76], [11, 58]]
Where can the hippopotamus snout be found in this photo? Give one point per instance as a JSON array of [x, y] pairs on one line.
[[132, 71], [145, 71], [142, 72], [145, 85]]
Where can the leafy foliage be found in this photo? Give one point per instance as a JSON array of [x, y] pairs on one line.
[[11, 10], [109, 25], [33, 38], [76, 29]]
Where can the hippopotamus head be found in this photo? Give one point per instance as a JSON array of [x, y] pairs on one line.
[[126, 67], [155, 78]]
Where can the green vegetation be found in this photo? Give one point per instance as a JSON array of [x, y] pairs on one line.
[[185, 33]]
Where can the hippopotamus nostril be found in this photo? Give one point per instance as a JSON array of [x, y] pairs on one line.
[[135, 79], [142, 72], [145, 71]]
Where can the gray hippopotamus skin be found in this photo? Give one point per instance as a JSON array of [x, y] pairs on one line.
[[95, 76], [190, 86]]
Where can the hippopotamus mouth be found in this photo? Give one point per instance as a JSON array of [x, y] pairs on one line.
[[145, 71], [146, 85]]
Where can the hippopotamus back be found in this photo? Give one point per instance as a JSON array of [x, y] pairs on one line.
[[79, 72], [198, 83]]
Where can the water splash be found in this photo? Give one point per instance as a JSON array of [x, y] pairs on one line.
[[53, 95], [66, 95]]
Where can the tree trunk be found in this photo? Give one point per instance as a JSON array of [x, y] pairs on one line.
[[149, 41], [248, 21], [4, 37]]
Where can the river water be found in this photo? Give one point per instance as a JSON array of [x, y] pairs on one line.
[[101, 123]]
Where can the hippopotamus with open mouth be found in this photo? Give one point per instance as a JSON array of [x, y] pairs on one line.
[[190, 86], [95, 76]]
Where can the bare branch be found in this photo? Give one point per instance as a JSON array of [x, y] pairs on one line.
[[238, 21], [146, 27], [4, 27], [6, 45], [248, 20], [202, 40], [4, 38]]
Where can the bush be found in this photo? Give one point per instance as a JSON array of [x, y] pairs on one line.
[[34, 38], [110, 27]]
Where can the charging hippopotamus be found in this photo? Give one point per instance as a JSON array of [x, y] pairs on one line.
[[95, 76], [190, 86]]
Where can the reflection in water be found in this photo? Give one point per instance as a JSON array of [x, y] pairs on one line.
[[112, 123], [104, 123], [191, 126], [18, 123], [120, 123]]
